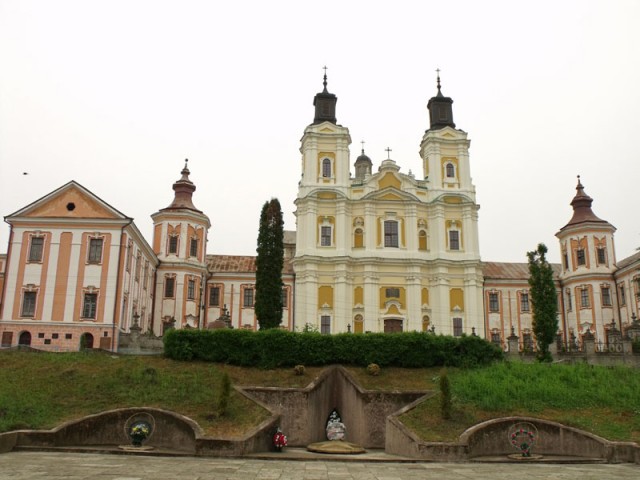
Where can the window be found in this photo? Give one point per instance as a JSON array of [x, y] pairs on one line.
[[284, 298], [248, 298], [138, 266], [145, 280], [326, 168], [173, 244], [95, 250], [451, 170], [390, 233], [527, 342], [565, 260], [169, 286], [214, 297], [623, 297], [129, 255], [569, 306], [29, 304], [392, 292], [457, 327], [454, 240], [191, 289], [54, 336], [35, 251], [602, 255], [89, 304], [584, 298], [68, 336], [494, 305], [325, 236], [495, 337], [193, 247], [524, 302], [325, 324], [606, 297], [580, 257]]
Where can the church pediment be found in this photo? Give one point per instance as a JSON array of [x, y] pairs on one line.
[[71, 200], [391, 194]]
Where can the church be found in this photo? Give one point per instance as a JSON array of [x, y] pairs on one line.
[[375, 250]]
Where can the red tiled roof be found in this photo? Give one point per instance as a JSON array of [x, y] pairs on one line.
[[511, 271], [238, 264]]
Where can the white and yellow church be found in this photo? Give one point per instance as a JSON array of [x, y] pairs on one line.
[[374, 251]]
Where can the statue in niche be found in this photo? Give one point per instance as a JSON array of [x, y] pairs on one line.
[[335, 428]]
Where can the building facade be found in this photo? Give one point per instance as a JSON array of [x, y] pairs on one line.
[[374, 251]]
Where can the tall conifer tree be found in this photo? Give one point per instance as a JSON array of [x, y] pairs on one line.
[[269, 263], [544, 300]]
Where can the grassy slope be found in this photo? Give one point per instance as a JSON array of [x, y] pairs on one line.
[[41, 390]]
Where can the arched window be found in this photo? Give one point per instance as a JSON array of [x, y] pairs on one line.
[[451, 170], [326, 168]]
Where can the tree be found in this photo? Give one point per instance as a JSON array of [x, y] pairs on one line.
[[544, 301], [269, 263]]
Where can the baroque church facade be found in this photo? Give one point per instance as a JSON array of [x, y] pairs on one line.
[[373, 251]]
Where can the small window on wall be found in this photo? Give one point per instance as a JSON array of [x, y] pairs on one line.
[[569, 304], [173, 244], [326, 168], [565, 260], [524, 302], [193, 247], [584, 298], [454, 240], [391, 233], [214, 296], [494, 305], [325, 236], [325, 324], [623, 297], [284, 298], [457, 327], [495, 337], [580, 257], [451, 170], [95, 250], [89, 304], [28, 304], [248, 298], [422, 240], [169, 287], [358, 238], [36, 249], [602, 255], [392, 292], [606, 297], [191, 289]]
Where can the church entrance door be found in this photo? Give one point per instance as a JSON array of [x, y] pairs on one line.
[[392, 325]]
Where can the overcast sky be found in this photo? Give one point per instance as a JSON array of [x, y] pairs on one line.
[[116, 94]]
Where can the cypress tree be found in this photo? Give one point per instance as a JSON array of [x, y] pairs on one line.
[[269, 263], [544, 301]]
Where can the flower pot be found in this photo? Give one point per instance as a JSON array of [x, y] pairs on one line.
[[136, 440]]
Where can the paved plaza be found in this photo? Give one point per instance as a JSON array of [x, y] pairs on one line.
[[81, 466]]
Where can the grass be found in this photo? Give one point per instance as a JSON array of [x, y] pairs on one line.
[[605, 401], [42, 390]]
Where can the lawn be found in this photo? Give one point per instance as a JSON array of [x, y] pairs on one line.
[[42, 390]]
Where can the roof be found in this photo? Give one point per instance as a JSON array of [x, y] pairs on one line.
[[238, 264], [511, 271], [625, 262]]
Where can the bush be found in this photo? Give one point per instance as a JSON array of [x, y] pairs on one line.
[[280, 348], [373, 369], [224, 395], [299, 370], [445, 395]]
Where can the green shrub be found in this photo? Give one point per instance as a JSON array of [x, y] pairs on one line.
[[280, 348], [445, 395], [299, 370], [224, 395], [373, 369]]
